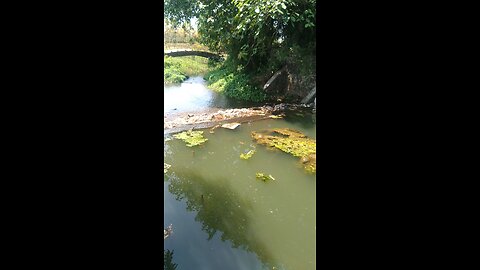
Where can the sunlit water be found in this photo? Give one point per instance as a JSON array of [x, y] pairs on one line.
[[223, 217], [192, 95]]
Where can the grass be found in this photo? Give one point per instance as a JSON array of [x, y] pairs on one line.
[[227, 79], [221, 77], [178, 69]]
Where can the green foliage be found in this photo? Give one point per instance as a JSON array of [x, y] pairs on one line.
[[248, 30], [173, 75], [260, 37], [239, 87], [233, 83], [179, 12], [218, 77], [192, 138], [219, 85]]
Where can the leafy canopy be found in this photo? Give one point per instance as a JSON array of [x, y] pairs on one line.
[[248, 30]]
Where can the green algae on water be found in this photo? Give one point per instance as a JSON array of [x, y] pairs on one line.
[[192, 138], [292, 142], [264, 177], [247, 155]]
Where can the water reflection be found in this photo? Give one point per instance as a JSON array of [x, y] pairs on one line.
[[219, 209], [298, 117], [168, 260]]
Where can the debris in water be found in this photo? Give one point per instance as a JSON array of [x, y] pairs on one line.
[[275, 116], [212, 130], [166, 167], [192, 138], [264, 177], [231, 125], [167, 232], [247, 155]]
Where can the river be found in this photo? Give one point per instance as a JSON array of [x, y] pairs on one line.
[[193, 95], [222, 216]]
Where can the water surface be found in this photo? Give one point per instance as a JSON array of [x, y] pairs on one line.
[[222, 216], [192, 95]]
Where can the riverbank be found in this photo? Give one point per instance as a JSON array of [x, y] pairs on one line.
[[288, 84], [228, 79], [178, 69]]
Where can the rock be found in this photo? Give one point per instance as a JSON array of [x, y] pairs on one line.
[[231, 125], [280, 107]]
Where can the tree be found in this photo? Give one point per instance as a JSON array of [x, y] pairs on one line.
[[248, 30]]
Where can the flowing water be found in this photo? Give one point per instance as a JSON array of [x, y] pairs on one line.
[[222, 216], [192, 95]]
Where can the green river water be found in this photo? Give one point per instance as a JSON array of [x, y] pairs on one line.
[[225, 218]]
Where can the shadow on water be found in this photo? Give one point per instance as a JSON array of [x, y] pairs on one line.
[[219, 209], [304, 117]]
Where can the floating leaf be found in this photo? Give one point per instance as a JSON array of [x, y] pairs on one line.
[[264, 177], [247, 155], [292, 142], [166, 167], [192, 138], [275, 116]]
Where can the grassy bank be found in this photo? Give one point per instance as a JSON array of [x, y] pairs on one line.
[[178, 69], [231, 81], [222, 77]]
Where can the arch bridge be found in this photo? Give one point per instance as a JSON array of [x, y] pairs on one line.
[[189, 52]]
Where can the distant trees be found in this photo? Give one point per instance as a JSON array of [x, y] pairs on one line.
[[179, 34]]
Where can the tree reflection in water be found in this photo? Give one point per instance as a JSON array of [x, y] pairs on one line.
[[220, 209], [168, 260]]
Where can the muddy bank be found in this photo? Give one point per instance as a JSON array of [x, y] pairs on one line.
[[199, 120]]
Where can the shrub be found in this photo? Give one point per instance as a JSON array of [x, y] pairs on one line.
[[233, 83]]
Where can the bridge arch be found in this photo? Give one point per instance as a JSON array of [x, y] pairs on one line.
[[177, 53]]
